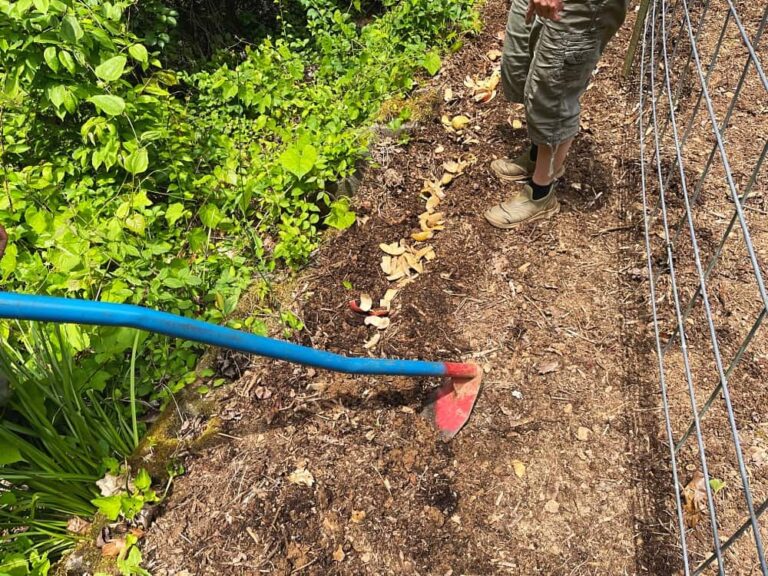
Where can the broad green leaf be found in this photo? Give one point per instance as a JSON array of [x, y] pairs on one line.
[[141, 200], [8, 263], [299, 161], [11, 83], [42, 5], [109, 506], [57, 94], [51, 59], [136, 223], [21, 7], [9, 455], [142, 481], [64, 259], [716, 484], [76, 337], [210, 215], [110, 105], [66, 59], [229, 90], [70, 29], [111, 11], [139, 53], [340, 217], [36, 220], [174, 212], [432, 63], [137, 162], [112, 69]]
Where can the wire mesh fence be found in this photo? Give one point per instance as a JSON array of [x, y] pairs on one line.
[[703, 132]]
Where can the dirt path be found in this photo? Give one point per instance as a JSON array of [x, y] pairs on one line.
[[555, 313]]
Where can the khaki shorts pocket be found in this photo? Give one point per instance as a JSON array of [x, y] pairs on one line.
[[581, 56]]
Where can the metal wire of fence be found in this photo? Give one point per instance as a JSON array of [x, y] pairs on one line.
[[681, 115]]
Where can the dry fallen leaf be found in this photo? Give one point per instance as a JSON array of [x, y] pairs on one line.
[[493, 55], [448, 95], [371, 343], [552, 506], [366, 303], [446, 179], [113, 548], [111, 484], [338, 554], [358, 516], [301, 476], [380, 322], [548, 367], [519, 468], [393, 249], [77, 525], [695, 499]]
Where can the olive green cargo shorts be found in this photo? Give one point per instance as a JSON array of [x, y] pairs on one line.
[[547, 65]]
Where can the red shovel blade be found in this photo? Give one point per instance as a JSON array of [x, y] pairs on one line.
[[450, 406]]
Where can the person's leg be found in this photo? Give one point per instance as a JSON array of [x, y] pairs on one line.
[[566, 54], [519, 44], [550, 165], [516, 55], [584, 30]]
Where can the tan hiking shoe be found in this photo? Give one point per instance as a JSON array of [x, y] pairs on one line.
[[522, 208], [517, 169]]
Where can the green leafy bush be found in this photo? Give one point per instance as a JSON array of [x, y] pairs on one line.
[[124, 181]]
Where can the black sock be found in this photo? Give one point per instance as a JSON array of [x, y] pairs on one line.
[[534, 152], [540, 190]]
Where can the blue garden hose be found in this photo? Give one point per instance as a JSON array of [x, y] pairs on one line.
[[66, 310]]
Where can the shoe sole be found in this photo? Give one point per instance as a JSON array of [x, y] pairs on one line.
[[522, 178], [544, 215]]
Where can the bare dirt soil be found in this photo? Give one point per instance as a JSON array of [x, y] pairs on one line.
[[563, 468], [732, 287]]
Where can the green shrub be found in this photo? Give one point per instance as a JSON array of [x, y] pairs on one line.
[[123, 181]]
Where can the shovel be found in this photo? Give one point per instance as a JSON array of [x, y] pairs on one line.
[[448, 407]]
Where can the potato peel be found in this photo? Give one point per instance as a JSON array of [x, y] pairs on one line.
[[422, 236], [393, 249], [459, 122], [432, 203], [386, 265], [371, 343], [378, 322]]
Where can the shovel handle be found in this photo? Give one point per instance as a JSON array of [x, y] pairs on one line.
[[69, 310]]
